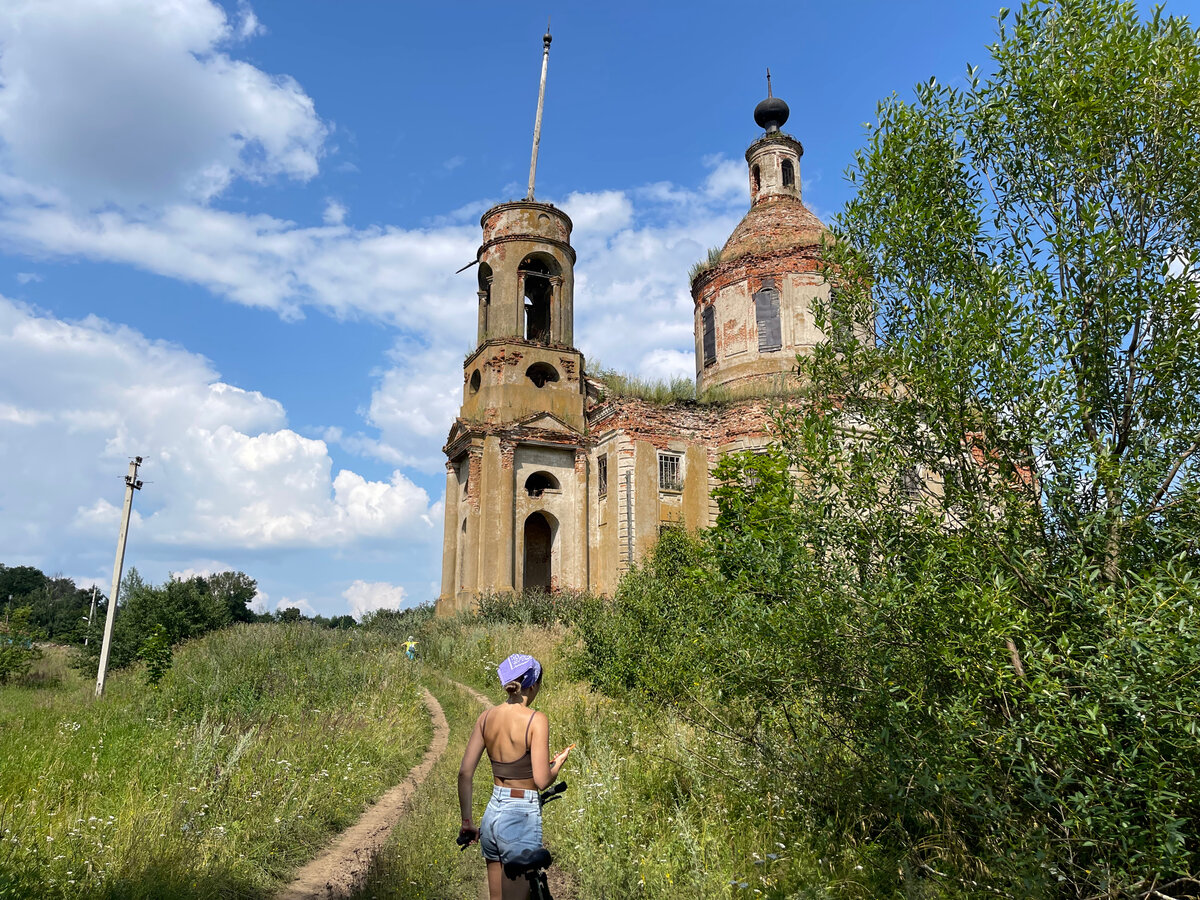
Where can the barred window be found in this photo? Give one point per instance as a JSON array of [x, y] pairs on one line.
[[602, 475], [670, 472], [766, 315], [709, 339], [911, 484]]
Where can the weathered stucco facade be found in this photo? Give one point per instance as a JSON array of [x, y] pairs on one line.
[[550, 484]]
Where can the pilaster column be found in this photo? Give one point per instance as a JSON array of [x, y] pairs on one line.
[[505, 499], [470, 552], [445, 604], [557, 315], [582, 580], [520, 329]]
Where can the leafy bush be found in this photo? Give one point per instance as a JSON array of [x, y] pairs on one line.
[[17, 649], [156, 654], [534, 607], [968, 637]]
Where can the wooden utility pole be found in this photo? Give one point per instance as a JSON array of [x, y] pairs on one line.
[[131, 484]]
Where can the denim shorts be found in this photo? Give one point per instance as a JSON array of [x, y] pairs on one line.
[[510, 824]]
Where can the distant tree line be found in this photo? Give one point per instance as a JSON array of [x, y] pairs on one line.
[[40, 607]]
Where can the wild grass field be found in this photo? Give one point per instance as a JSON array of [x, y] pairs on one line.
[[657, 808], [261, 742]]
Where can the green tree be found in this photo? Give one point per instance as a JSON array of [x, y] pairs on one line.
[[971, 628], [19, 581], [235, 590], [17, 648], [155, 652], [1001, 487]]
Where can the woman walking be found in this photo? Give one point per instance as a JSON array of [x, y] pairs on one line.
[[517, 741]]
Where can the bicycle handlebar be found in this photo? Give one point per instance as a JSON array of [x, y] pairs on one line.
[[552, 793]]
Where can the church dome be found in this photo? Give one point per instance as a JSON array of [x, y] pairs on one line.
[[782, 223], [771, 114]]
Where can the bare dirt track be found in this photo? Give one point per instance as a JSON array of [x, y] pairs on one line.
[[339, 870]]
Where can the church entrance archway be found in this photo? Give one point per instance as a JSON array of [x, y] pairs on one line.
[[539, 540]]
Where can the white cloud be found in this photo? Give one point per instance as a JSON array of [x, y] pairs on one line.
[[26, 277], [301, 604], [668, 364], [335, 212], [364, 597], [134, 101], [223, 471], [596, 216], [202, 569]]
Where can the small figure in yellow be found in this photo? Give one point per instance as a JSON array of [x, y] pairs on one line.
[[410, 648]]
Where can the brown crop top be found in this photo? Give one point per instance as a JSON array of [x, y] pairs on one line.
[[517, 769]]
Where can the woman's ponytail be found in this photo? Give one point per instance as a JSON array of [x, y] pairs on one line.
[[513, 688]]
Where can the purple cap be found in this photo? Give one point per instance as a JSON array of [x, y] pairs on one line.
[[520, 667]]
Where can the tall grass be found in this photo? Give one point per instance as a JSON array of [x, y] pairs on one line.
[[421, 861], [260, 742], [674, 390], [656, 808]]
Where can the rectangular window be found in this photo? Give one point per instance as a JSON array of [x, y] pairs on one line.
[[710, 336], [602, 475], [670, 472], [766, 316]]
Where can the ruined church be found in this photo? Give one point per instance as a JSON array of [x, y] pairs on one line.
[[551, 482]]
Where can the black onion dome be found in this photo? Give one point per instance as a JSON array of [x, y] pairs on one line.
[[771, 114]]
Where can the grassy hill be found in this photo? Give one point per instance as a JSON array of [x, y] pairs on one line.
[[259, 743]]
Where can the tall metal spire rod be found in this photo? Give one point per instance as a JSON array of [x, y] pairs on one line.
[[768, 81], [537, 125]]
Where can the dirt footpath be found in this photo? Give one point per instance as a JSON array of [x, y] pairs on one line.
[[338, 871]]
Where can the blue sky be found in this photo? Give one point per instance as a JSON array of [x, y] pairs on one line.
[[228, 238]]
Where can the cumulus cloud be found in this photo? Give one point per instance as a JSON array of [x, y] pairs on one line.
[[335, 212], [223, 470], [136, 101], [302, 604], [364, 597], [632, 306]]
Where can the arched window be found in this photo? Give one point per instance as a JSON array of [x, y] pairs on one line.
[[475, 381], [766, 316], [789, 174], [540, 373], [540, 482], [538, 269], [710, 336], [485, 283], [539, 548], [755, 181]]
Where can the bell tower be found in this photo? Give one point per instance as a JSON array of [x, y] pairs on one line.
[[754, 305], [516, 482]]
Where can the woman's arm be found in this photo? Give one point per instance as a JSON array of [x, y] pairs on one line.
[[466, 773], [545, 769]]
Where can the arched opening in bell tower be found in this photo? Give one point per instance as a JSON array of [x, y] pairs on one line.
[[539, 542], [538, 270]]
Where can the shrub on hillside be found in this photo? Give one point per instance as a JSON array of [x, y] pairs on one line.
[[17, 648], [534, 607]]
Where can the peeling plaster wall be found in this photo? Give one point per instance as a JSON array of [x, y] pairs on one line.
[[730, 291]]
